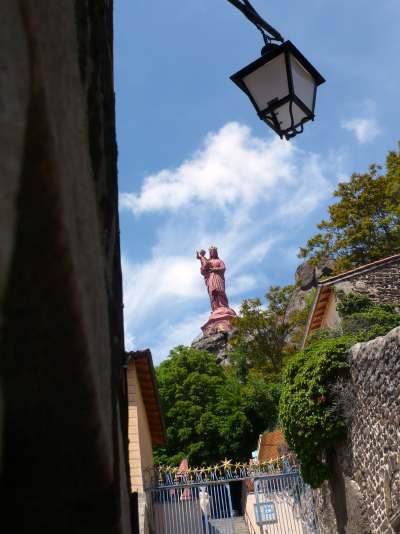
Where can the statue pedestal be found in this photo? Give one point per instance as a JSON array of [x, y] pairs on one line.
[[220, 320]]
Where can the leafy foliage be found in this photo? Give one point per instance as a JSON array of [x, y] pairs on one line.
[[265, 336], [364, 319], [310, 426], [351, 303], [310, 422], [374, 322], [364, 225], [212, 412], [209, 413]]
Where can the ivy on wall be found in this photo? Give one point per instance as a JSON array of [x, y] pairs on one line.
[[310, 425], [310, 421]]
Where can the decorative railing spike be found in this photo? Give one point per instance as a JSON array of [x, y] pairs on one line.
[[226, 470]]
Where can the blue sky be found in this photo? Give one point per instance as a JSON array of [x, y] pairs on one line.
[[197, 167]]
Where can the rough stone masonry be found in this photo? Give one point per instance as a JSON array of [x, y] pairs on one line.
[[363, 495]]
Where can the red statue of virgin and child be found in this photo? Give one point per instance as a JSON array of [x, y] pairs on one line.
[[213, 270]]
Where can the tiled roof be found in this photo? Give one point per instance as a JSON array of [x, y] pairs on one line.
[[357, 270], [272, 446], [149, 389]]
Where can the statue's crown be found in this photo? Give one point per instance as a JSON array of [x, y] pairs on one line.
[[213, 247]]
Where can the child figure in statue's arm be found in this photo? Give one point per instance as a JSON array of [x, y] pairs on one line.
[[201, 255]]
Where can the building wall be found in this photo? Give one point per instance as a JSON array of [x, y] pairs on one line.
[[331, 317], [286, 517], [145, 440], [140, 444], [249, 510], [381, 284], [64, 463], [363, 496]]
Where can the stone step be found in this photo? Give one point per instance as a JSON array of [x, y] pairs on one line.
[[239, 526]]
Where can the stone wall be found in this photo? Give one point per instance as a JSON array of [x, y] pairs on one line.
[[381, 284], [363, 496], [64, 464]]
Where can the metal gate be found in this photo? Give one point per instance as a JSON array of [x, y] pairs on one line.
[[191, 509], [284, 505], [275, 499]]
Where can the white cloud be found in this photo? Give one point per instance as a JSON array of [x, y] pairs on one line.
[[241, 284], [152, 285], [232, 166], [244, 194], [365, 129]]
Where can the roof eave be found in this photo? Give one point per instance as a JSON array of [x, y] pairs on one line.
[[159, 436]]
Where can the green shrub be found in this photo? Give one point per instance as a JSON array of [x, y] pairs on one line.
[[310, 425], [375, 321], [352, 303], [365, 319], [310, 422]]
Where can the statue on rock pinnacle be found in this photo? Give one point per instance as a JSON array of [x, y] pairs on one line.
[[213, 270]]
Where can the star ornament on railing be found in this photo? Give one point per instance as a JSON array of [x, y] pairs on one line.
[[225, 470], [226, 464], [216, 468]]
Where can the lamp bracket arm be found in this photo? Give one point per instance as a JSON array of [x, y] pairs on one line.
[[251, 14]]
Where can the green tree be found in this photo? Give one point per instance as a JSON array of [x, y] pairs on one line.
[[209, 414], [364, 224], [265, 336]]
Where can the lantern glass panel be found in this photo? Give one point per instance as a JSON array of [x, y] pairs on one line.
[[268, 82], [284, 118], [303, 83]]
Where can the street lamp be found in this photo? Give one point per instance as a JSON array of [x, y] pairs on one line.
[[282, 83]]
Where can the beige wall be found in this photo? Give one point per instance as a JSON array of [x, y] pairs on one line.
[[251, 517], [140, 444], [331, 317], [287, 520]]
